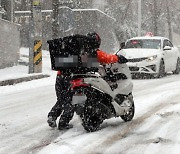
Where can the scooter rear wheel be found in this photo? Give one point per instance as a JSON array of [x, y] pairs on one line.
[[92, 118]]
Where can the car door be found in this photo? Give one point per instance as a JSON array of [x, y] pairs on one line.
[[173, 58], [167, 55]]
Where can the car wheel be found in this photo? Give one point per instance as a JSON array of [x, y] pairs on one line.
[[177, 71], [161, 72]]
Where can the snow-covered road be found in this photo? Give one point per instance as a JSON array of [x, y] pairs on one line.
[[154, 129]]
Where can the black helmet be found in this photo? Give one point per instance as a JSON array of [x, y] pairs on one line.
[[95, 39]]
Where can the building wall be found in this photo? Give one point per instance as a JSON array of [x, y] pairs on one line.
[[74, 21], [90, 21], [9, 44]]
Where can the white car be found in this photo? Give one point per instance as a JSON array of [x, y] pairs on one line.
[[151, 55]]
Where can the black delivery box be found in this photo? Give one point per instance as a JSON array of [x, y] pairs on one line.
[[64, 52]]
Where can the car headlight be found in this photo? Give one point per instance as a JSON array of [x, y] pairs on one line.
[[151, 58]]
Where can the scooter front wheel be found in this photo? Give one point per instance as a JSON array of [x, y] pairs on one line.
[[128, 116]]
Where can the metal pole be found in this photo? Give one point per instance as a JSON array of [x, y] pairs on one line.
[[35, 50], [0, 10], [55, 24], [12, 10], [31, 37], [139, 17]]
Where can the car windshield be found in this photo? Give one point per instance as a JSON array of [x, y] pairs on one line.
[[144, 43]]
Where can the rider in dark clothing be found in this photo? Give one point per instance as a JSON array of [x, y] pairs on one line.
[[63, 105]]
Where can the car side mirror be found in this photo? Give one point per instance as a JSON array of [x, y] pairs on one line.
[[167, 48]]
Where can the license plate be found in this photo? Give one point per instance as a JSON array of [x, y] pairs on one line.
[[132, 64], [78, 99]]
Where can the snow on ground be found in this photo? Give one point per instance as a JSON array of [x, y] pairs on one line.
[[22, 71], [155, 128]]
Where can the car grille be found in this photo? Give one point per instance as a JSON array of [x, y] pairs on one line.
[[134, 68], [136, 59]]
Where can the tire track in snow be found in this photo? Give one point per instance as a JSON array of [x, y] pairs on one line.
[[153, 131], [130, 126]]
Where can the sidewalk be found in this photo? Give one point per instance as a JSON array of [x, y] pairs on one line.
[[19, 73]]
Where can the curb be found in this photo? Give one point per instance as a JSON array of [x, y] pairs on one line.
[[23, 79]]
